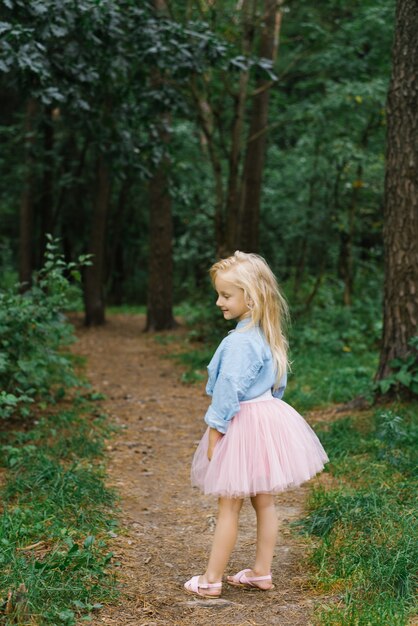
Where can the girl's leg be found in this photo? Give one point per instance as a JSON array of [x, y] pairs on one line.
[[267, 528], [224, 538]]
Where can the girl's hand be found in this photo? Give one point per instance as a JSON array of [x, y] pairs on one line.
[[214, 436]]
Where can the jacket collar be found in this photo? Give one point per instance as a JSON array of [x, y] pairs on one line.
[[244, 322]]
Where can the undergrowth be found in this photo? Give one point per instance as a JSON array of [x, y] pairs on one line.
[[56, 515], [56, 510], [35, 365], [366, 552]]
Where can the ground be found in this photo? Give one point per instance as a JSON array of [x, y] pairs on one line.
[[166, 526]]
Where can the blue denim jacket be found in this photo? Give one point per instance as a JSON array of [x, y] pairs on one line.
[[241, 369]]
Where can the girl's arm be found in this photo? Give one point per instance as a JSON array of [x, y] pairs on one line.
[[214, 436]]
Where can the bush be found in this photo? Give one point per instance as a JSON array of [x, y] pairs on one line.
[[404, 373], [33, 330]]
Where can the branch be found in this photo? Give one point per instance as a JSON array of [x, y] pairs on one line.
[[266, 129], [204, 111], [263, 88], [295, 59]]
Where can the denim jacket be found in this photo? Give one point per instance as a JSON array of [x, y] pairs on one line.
[[241, 369]]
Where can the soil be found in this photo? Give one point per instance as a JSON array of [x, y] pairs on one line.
[[165, 526]]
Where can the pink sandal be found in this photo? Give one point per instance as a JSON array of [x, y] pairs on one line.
[[193, 585], [249, 582]]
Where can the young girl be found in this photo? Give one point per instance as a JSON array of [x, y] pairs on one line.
[[256, 445]]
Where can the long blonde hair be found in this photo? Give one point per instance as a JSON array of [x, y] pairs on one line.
[[262, 294]]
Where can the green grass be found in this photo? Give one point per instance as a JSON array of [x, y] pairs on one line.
[[366, 548], [54, 496], [130, 309], [321, 378], [139, 309]]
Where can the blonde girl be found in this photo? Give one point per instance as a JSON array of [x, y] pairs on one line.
[[255, 445]]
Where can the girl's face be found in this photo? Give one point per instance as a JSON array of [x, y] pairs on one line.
[[231, 299]]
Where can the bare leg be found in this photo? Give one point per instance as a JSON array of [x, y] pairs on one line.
[[224, 538], [267, 528]]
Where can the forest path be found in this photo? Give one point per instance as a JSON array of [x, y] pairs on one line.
[[166, 527]]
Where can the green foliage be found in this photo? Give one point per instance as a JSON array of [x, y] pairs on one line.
[[8, 274], [33, 330], [98, 88], [404, 373], [334, 348], [55, 518], [366, 522], [324, 171]]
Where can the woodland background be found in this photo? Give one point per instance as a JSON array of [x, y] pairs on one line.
[[157, 136], [140, 142]]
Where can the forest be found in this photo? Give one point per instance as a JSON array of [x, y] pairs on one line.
[[141, 141]]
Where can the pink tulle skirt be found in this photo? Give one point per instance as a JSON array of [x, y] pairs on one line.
[[267, 448]]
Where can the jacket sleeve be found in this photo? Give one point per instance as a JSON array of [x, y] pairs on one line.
[[278, 393], [240, 366]]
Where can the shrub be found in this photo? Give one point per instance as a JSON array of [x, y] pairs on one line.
[[404, 373], [33, 330]]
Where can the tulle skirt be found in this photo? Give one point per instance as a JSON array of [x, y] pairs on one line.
[[267, 448]]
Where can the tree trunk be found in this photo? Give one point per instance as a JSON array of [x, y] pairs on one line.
[[46, 199], [160, 274], [94, 275], [26, 202], [248, 11], [400, 233], [116, 270], [160, 267], [256, 145]]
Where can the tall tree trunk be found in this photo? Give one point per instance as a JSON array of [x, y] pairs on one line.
[[248, 12], [94, 275], [116, 271], [400, 233], [46, 199], [257, 139], [26, 201], [160, 268], [160, 264]]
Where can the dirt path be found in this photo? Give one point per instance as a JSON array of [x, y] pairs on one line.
[[166, 527]]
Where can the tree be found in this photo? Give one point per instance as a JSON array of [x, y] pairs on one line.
[[94, 275], [160, 267], [160, 259], [400, 307], [250, 195], [90, 79], [321, 215], [231, 108], [26, 201]]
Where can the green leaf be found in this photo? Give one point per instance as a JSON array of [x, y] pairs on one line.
[[74, 548], [88, 541], [394, 363], [4, 27], [79, 605], [67, 616], [385, 384], [404, 378]]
